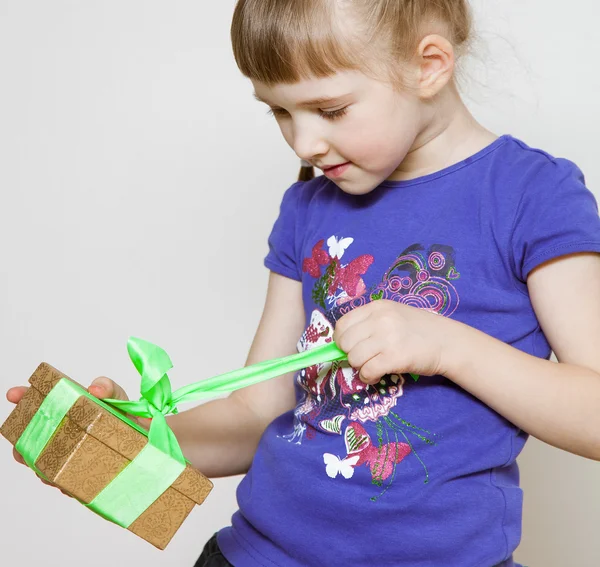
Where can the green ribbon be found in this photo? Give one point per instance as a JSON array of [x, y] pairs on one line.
[[131, 492], [45, 422], [158, 400], [161, 462]]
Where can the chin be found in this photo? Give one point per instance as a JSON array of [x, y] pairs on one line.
[[357, 187]]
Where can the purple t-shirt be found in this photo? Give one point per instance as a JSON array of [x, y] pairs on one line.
[[405, 473]]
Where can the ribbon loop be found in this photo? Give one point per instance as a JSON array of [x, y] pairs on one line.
[[152, 363]]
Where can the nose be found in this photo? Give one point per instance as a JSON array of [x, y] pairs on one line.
[[309, 142]]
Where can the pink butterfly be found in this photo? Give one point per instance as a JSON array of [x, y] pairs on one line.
[[319, 258], [381, 460], [349, 277]]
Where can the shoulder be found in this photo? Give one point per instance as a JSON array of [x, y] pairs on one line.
[[526, 168], [306, 191], [552, 213], [522, 178], [303, 196]]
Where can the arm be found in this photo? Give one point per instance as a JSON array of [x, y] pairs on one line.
[[557, 403], [220, 437]]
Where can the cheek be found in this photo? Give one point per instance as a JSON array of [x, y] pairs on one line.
[[361, 138], [387, 137], [285, 128], [379, 145], [288, 138]]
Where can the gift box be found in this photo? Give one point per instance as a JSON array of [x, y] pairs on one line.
[[135, 478], [91, 446]]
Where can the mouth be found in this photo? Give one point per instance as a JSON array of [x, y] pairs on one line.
[[335, 170]]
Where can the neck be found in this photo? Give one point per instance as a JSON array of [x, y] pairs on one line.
[[450, 135]]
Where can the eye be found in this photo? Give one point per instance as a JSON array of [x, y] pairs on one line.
[[277, 112], [333, 114], [326, 114]]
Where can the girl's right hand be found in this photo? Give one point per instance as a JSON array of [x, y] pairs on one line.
[[101, 387]]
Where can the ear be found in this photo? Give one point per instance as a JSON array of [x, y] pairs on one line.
[[436, 62]]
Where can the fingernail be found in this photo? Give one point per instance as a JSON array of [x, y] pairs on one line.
[[101, 385]]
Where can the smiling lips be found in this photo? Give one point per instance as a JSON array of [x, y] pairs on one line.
[[336, 170]]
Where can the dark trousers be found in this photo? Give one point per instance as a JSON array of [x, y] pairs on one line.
[[211, 555]]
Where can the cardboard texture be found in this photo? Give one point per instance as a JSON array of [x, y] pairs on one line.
[[91, 447]]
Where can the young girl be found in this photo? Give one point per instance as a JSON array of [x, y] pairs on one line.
[[429, 247]]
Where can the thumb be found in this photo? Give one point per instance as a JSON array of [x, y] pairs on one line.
[[103, 387]]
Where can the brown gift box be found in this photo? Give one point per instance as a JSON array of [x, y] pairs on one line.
[[91, 447]]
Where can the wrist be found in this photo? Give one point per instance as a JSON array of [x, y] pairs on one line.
[[453, 341]]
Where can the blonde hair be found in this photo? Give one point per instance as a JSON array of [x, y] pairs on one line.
[[285, 41]]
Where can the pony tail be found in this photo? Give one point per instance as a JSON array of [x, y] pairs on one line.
[[307, 171]]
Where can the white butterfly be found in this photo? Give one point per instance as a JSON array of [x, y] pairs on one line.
[[338, 247], [336, 466]]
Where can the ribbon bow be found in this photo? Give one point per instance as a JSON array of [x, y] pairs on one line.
[[157, 401]]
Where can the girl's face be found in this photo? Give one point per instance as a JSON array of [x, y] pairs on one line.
[[350, 120]]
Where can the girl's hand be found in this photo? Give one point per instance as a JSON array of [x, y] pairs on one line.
[[101, 387], [387, 337]]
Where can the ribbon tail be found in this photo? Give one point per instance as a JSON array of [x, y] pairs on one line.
[[259, 372], [140, 408], [162, 437]]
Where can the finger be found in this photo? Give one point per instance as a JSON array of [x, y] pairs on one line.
[[374, 369], [103, 387], [14, 395], [352, 336], [18, 457], [54, 486], [352, 318], [362, 353]]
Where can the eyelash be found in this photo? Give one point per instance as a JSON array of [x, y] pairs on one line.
[[331, 115]]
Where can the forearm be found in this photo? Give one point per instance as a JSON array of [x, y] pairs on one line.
[[219, 437], [557, 403]]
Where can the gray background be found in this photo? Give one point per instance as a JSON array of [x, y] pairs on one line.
[[138, 183]]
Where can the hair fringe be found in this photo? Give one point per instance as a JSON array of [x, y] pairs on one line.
[[284, 41]]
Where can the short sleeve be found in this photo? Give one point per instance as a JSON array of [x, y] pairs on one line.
[[557, 215], [284, 238]]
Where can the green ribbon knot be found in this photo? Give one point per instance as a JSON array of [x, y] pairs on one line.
[[153, 363]]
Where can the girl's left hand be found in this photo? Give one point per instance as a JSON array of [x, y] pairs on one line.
[[387, 337]]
